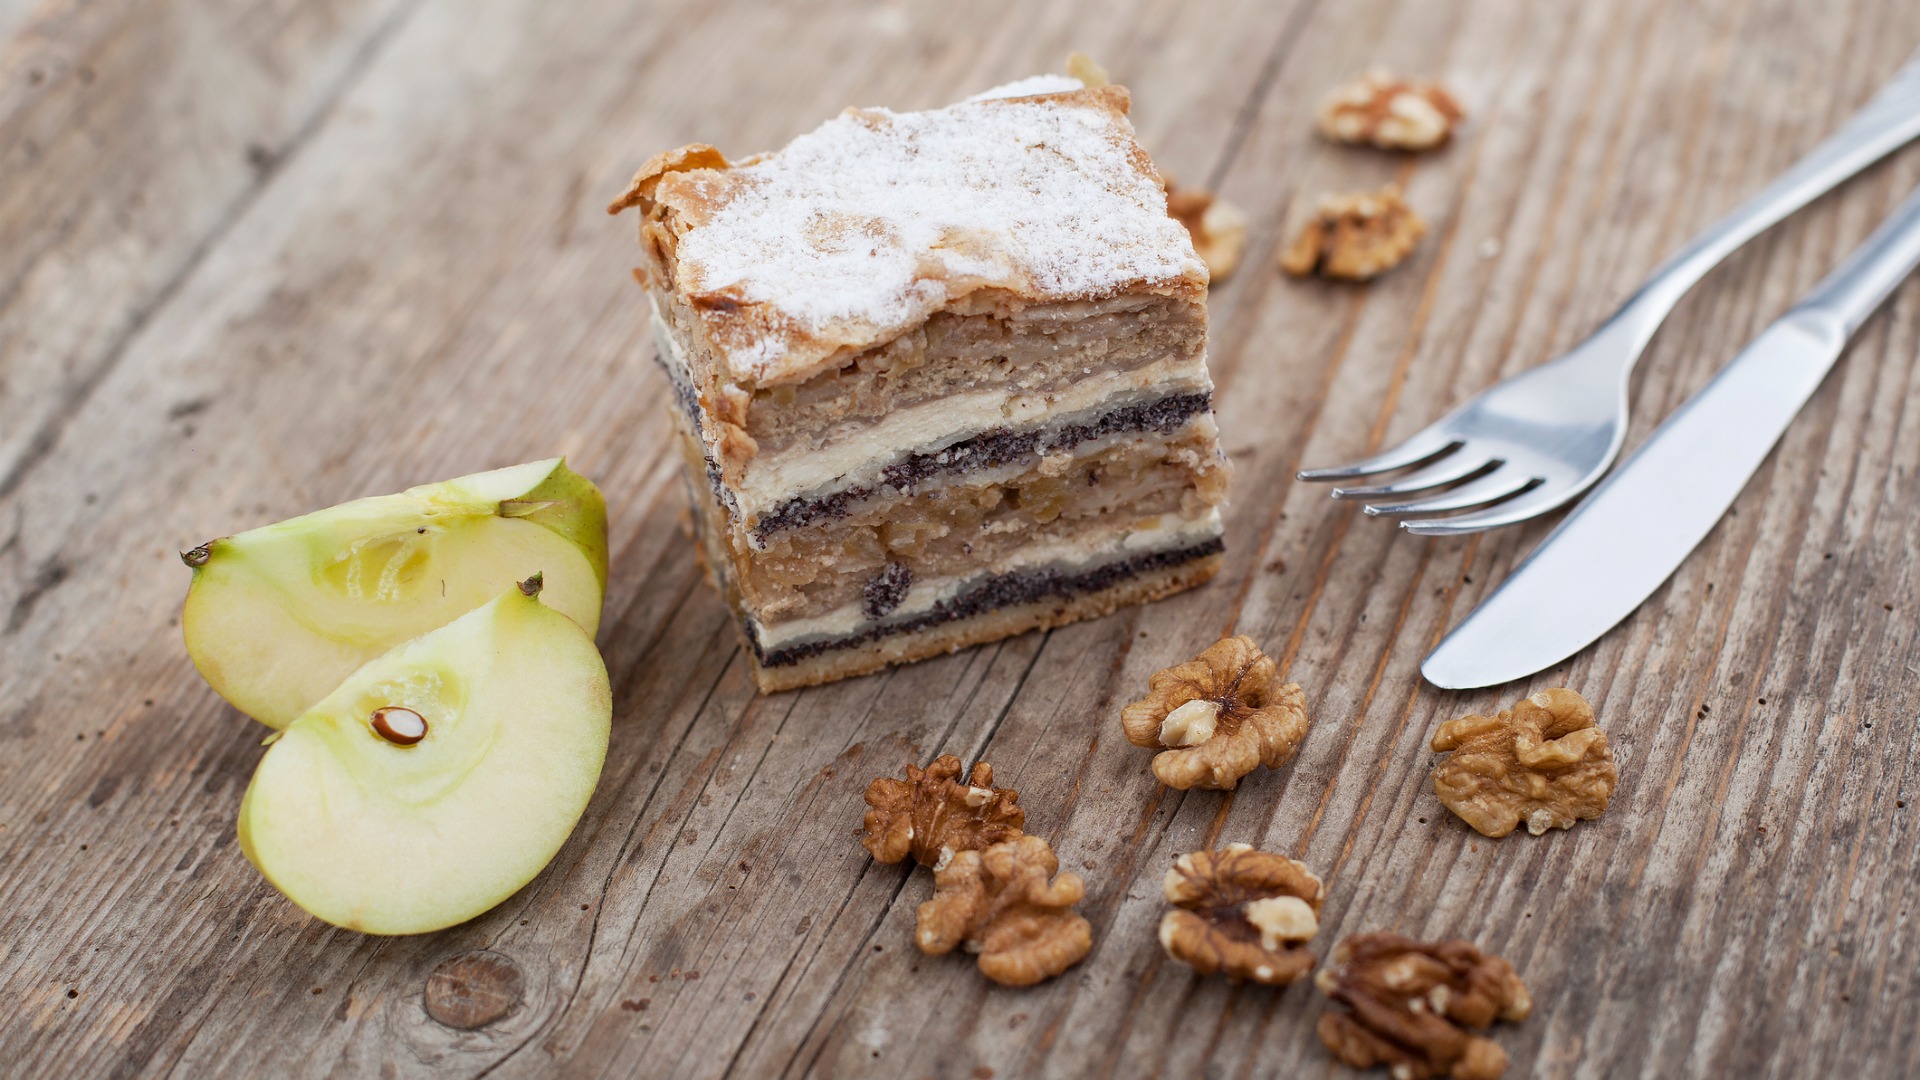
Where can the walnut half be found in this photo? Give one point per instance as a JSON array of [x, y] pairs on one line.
[[1389, 112], [1410, 1006], [1005, 904], [1218, 717], [1244, 913], [1218, 228], [1355, 237], [932, 814], [1542, 762]]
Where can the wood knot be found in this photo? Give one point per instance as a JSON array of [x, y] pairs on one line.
[[474, 989]]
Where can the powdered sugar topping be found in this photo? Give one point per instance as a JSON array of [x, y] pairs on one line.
[[863, 227], [1029, 86]]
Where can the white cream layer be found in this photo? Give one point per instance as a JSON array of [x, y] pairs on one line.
[[672, 356], [1161, 533], [771, 480], [1200, 422]]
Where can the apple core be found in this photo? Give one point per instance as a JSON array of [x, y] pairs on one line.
[[279, 616]]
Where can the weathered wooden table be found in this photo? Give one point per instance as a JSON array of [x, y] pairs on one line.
[[259, 256]]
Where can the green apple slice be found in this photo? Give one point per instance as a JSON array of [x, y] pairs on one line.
[[438, 779], [278, 615]]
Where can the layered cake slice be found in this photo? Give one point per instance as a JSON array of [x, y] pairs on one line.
[[941, 376]]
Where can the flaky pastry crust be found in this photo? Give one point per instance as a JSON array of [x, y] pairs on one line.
[[760, 342]]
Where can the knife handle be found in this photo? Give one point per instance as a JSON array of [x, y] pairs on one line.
[[1863, 280]]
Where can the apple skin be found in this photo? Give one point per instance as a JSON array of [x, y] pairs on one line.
[[405, 839], [277, 616]]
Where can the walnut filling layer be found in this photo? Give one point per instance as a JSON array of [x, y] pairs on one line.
[[956, 377], [990, 594], [986, 451], [923, 438], [961, 526], [906, 596], [900, 610], [989, 457], [1037, 349]]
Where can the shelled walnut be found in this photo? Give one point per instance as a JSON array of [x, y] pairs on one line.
[[1389, 112], [1218, 228], [1005, 904], [1244, 913], [1410, 1006], [1218, 717], [1090, 73], [1542, 762], [1355, 237], [932, 814]]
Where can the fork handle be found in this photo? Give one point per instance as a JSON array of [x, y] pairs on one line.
[[1882, 126]]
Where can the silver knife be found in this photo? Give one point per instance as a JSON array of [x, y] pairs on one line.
[[1634, 530]]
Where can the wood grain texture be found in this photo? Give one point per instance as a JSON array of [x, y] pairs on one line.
[[414, 280], [133, 137]]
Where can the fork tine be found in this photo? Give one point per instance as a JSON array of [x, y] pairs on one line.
[[1495, 485], [1541, 500], [1418, 450], [1451, 469]]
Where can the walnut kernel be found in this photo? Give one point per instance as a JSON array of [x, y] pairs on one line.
[[1244, 913], [1090, 73], [932, 814], [1000, 903], [1218, 228], [1355, 237], [1542, 762], [1218, 717], [1190, 724], [1389, 112], [1410, 1004]]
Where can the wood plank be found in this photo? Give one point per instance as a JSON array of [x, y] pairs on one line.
[[145, 131], [424, 285]]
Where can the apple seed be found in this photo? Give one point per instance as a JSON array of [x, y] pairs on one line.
[[399, 725]]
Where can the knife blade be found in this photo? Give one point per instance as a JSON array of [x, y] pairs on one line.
[[1640, 523]]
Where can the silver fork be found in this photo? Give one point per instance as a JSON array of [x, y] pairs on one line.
[[1536, 440]]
